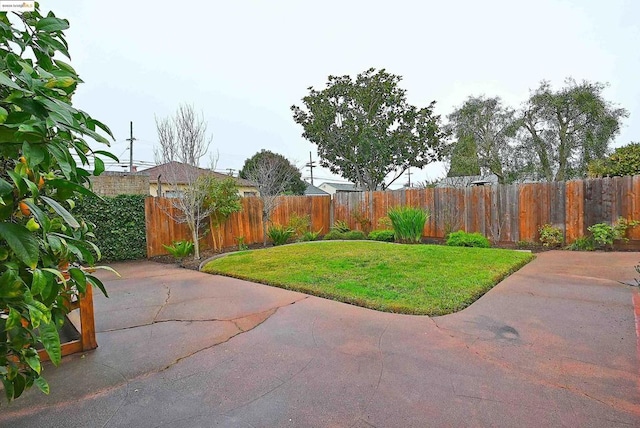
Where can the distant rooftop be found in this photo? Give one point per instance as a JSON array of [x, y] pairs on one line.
[[182, 171], [343, 187], [312, 190]]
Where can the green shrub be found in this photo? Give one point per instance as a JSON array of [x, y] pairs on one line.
[[119, 225], [350, 235], [299, 224], [408, 223], [584, 243], [334, 235], [382, 235], [464, 239], [605, 234], [385, 223], [551, 236], [526, 244], [354, 235], [242, 246], [280, 235], [309, 236], [179, 249], [340, 226]]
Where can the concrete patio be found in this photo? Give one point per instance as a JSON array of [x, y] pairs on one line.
[[553, 345]]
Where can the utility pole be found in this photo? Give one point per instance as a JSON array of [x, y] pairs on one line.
[[131, 140], [311, 164]]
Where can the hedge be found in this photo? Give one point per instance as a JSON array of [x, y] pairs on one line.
[[119, 225]]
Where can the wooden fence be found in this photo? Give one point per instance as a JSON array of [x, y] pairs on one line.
[[162, 229], [503, 213]]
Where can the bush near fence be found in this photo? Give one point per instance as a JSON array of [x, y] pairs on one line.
[[119, 225], [506, 214]]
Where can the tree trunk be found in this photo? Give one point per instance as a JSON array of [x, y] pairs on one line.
[[196, 244], [265, 219]]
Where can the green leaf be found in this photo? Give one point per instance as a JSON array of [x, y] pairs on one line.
[[8, 388], [3, 115], [80, 251], [18, 385], [5, 187], [107, 154], [18, 181], [21, 242], [38, 282], [97, 283], [33, 189], [34, 362], [42, 384], [34, 153], [36, 313], [62, 212], [51, 23], [6, 81], [14, 319], [70, 186], [57, 273], [51, 341], [80, 278], [99, 166], [38, 214]]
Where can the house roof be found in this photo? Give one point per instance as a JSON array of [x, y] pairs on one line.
[[312, 190], [467, 180], [343, 187], [182, 172]]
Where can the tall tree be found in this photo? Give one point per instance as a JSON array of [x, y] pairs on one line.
[[564, 130], [291, 174], [489, 126], [271, 179], [45, 162], [183, 143], [365, 129], [464, 157]]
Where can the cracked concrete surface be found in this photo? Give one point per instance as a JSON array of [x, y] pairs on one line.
[[553, 345]]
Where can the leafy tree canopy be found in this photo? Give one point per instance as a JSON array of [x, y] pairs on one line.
[[464, 158], [284, 171], [563, 130], [365, 129], [484, 129], [623, 161]]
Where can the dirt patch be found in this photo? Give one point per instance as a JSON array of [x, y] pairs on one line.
[[193, 264]]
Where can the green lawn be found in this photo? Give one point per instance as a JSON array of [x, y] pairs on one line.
[[411, 279]]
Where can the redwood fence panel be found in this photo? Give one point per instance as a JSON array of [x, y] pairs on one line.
[[507, 213], [162, 227], [503, 213]]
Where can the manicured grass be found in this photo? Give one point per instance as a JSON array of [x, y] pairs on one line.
[[411, 279]]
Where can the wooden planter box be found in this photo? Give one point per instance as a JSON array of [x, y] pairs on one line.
[[83, 322]]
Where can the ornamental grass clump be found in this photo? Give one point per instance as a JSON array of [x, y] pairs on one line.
[[408, 223]]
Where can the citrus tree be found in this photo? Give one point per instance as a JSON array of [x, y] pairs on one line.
[[45, 162]]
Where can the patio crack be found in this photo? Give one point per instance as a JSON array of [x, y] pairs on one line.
[[166, 301], [190, 320], [242, 324]]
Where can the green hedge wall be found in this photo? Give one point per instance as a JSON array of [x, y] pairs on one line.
[[120, 225]]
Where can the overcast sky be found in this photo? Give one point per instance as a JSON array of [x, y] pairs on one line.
[[244, 63]]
